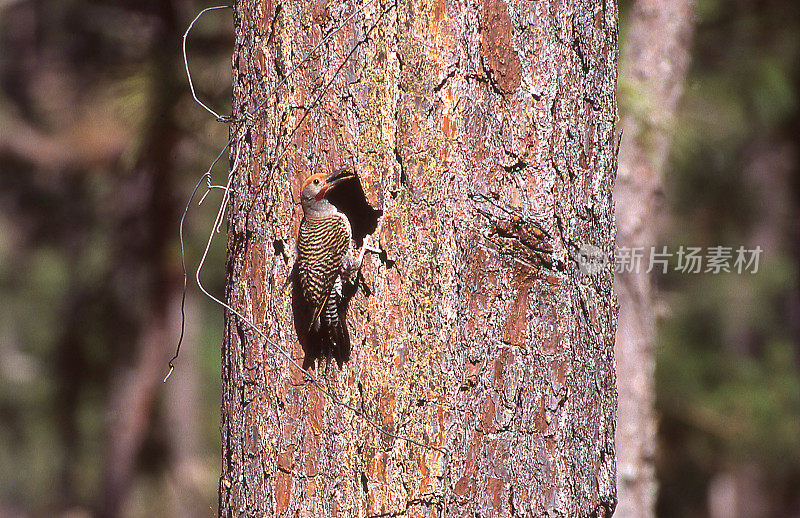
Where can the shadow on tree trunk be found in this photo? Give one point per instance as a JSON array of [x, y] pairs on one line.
[[316, 345]]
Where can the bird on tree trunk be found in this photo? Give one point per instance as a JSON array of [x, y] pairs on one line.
[[326, 260]]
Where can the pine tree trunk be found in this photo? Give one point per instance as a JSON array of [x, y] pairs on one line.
[[485, 133]]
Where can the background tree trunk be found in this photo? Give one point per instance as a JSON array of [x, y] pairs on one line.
[[150, 189], [471, 127], [654, 69]]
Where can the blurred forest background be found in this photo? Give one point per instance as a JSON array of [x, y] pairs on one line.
[[101, 144]]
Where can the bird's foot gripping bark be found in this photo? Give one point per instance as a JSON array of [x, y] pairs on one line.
[[367, 247], [358, 278]]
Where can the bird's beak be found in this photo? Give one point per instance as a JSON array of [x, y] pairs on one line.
[[333, 180], [338, 177]]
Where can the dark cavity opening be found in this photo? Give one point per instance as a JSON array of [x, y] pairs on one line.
[[349, 198]]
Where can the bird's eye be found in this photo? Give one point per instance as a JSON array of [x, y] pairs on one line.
[[316, 181]]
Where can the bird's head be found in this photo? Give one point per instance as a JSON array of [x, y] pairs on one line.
[[317, 186]]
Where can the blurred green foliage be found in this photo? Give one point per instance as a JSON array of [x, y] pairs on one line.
[[728, 365], [100, 145]]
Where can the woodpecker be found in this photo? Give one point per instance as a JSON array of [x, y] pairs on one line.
[[326, 258]]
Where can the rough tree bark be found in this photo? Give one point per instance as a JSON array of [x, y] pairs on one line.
[[485, 132], [653, 71]]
